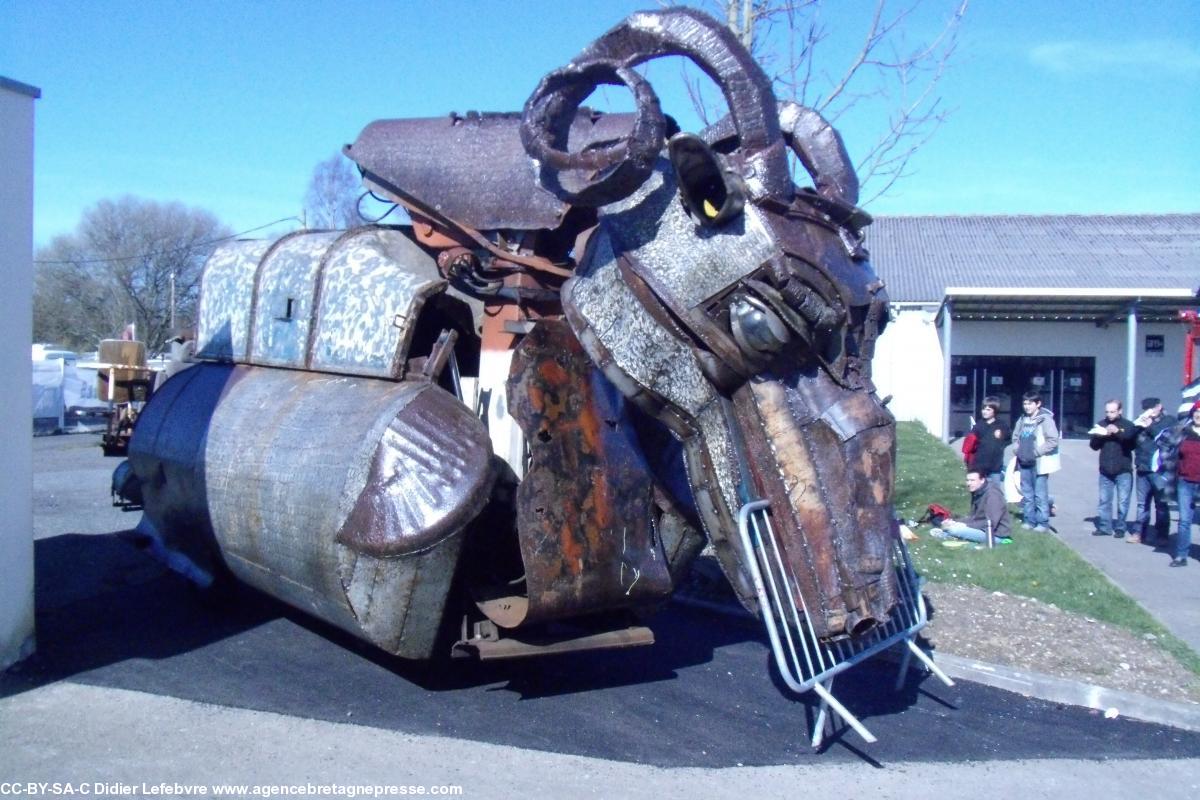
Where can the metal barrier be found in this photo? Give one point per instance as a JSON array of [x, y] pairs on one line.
[[805, 662]]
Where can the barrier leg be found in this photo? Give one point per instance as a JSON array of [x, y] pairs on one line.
[[822, 690], [904, 662], [934, 668]]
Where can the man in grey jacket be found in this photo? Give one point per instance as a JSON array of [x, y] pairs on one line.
[[988, 512], [1036, 438]]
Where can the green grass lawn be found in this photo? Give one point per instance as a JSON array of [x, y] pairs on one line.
[[1035, 565]]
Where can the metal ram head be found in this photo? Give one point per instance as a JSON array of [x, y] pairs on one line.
[[735, 308]]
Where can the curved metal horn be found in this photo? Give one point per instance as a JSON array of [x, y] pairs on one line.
[[817, 145], [821, 150], [603, 173], [640, 38]]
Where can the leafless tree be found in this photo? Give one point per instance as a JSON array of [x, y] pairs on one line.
[[888, 86], [332, 197], [125, 262]]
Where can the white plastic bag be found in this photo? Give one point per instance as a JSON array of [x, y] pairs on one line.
[[1012, 482]]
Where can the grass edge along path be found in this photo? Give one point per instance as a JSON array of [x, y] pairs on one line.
[[1035, 565]]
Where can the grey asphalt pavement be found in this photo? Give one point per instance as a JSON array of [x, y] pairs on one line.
[[138, 681], [71, 481]]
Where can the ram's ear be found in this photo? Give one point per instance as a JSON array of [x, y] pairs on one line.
[[712, 194]]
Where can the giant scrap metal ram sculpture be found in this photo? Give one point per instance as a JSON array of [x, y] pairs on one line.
[[601, 344]]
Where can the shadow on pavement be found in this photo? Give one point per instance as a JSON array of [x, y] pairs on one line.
[[703, 695]]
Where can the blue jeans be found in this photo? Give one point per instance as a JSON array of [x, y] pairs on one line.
[[1035, 497], [1123, 484], [1187, 493], [969, 534], [1146, 493]]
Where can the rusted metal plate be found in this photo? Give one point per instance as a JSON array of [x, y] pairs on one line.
[[821, 244], [473, 168], [487, 644], [684, 263], [657, 368], [429, 476], [585, 511], [824, 457]]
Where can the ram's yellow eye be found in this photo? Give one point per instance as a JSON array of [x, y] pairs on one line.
[[712, 194]]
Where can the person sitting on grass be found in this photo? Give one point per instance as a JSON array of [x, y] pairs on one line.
[[988, 509]]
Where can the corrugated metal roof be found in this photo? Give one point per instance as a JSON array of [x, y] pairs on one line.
[[918, 257]]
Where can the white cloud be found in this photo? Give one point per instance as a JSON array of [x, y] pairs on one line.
[[1159, 55]]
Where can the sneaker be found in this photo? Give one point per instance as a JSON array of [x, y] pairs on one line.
[[1134, 538], [1026, 526], [1119, 535], [1101, 533], [1178, 562], [1040, 529]]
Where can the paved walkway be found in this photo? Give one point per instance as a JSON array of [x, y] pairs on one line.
[[1171, 595], [116, 742]]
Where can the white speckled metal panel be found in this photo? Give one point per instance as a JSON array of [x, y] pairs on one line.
[[685, 261], [642, 348], [226, 298], [373, 285], [355, 296], [285, 299]]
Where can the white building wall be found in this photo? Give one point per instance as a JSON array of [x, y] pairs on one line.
[[1158, 376], [16, 326], [908, 365]]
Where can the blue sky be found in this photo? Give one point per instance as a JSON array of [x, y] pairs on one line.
[[1067, 106]]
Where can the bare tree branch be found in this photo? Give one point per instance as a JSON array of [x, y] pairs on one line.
[[886, 86], [332, 197], [117, 268]]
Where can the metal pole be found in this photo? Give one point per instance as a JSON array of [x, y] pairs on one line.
[[1130, 358], [947, 308]]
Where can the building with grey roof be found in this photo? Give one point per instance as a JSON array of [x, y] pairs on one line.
[[1080, 307]]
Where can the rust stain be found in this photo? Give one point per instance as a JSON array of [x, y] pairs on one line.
[[584, 513]]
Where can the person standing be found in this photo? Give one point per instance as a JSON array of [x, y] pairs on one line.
[[992, 436], [1036, 438], [1180, 450], [1115, 438], [1150, 424]]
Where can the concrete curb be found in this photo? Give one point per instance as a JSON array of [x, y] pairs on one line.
[[1075, 693], [1030, 684]]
